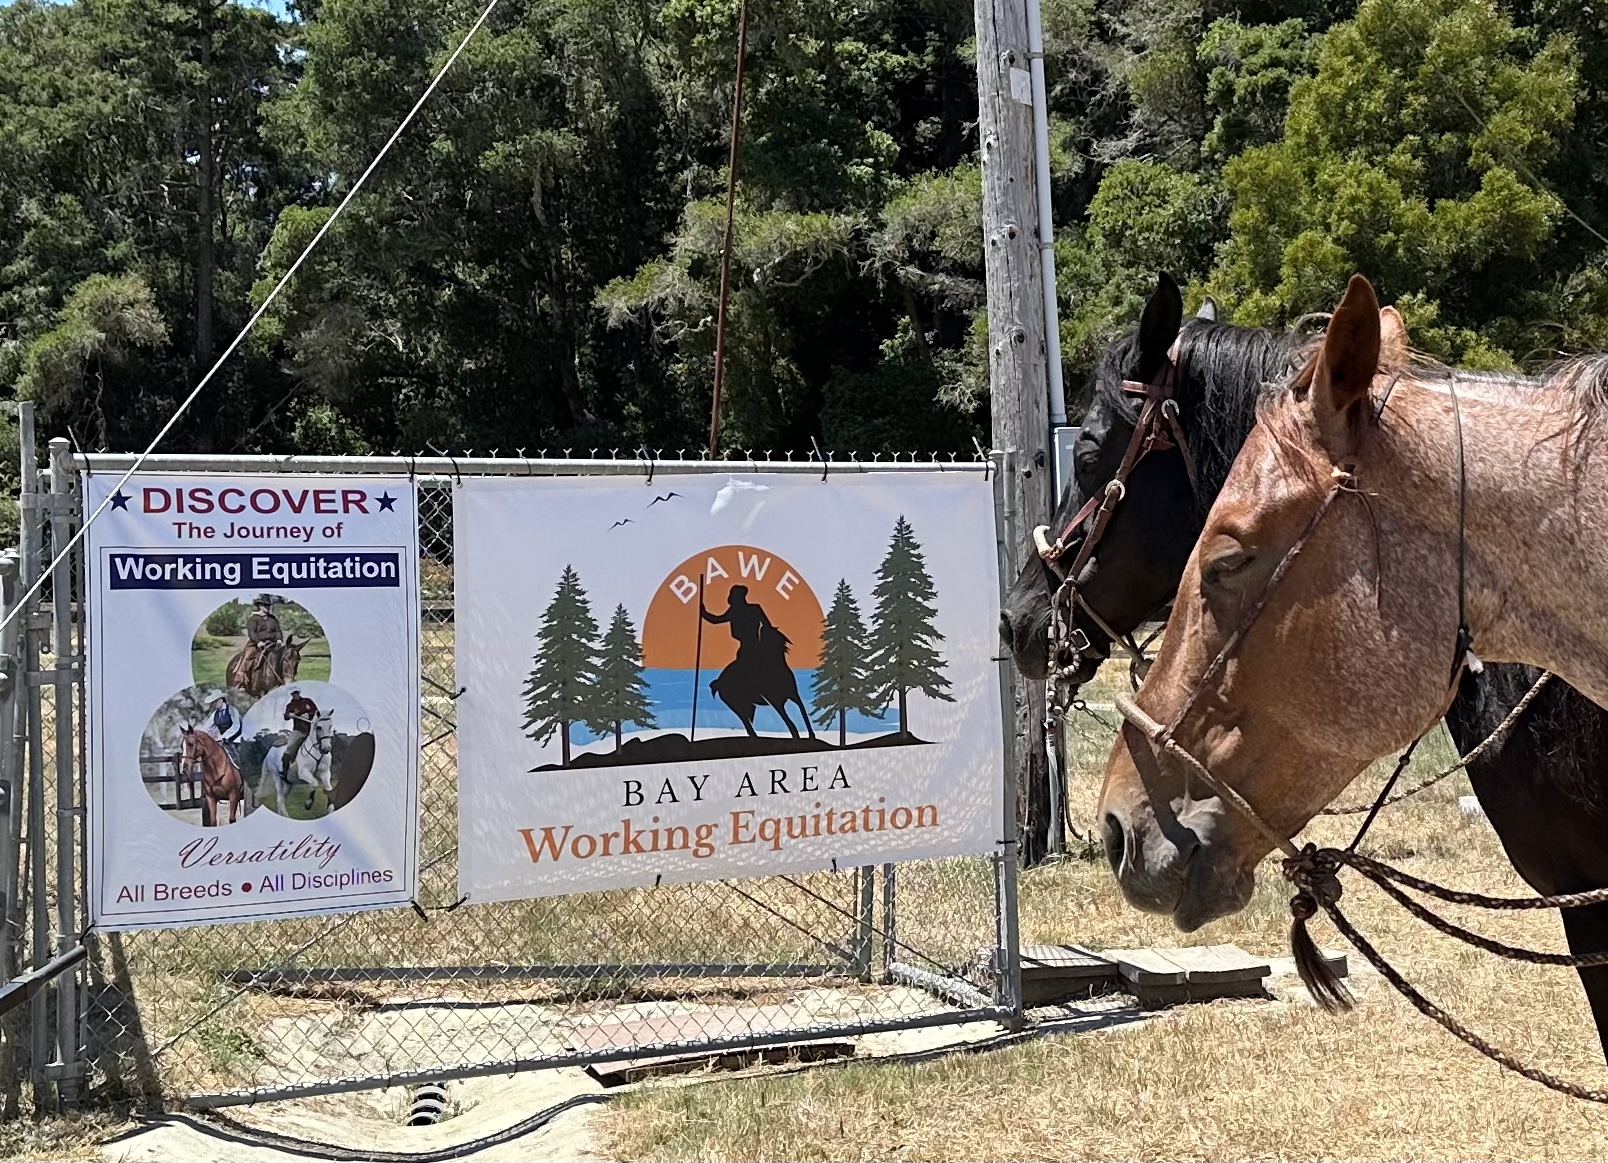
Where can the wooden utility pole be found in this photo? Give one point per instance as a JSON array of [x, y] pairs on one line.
[[1018, 385]]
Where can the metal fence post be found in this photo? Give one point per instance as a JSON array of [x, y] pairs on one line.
[[10, 801], [1008, 955], [890, 941], [39, 927], [13, 681], [865, 882], [61, 603]]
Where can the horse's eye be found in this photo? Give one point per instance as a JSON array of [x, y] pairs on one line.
[[1225, 565], [1089, 461]]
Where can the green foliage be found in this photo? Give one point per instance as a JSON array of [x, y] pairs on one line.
[[537, 262], [904, 639], [618, 695], [228, 620], [842, 680], [1445, 211], [561, 686]]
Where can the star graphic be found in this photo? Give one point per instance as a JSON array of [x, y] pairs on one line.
[[120, 500], [386, 500]]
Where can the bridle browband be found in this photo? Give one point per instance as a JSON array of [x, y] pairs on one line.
[[1157, 428]]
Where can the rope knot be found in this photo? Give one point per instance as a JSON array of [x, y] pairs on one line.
[[1313, 871]]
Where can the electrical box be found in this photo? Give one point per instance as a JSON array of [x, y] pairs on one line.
[[1063, 439]]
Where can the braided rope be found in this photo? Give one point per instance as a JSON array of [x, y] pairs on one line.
[[1451, 1025]]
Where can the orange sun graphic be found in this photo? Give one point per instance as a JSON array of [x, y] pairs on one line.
[[670, 631]]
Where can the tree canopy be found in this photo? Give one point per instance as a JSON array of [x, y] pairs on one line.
[[536, 263]]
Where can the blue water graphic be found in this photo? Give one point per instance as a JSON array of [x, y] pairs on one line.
[[670, 694]]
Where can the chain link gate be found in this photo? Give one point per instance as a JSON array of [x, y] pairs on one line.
[[222, 1015]]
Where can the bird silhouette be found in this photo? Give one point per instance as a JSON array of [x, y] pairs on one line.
[[617, 524], [666, 497]]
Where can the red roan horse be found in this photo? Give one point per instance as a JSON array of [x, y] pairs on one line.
[[220, 778]]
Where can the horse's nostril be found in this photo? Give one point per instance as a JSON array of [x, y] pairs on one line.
[[1111, 834], [1005, 635]]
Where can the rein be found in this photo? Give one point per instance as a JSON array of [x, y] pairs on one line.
[[1314, 871]]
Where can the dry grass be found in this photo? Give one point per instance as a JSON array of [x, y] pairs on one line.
[[1273, 1079]]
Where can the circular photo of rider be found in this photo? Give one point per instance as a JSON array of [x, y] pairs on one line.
[[190, 756], [307, 750], [258, 643]]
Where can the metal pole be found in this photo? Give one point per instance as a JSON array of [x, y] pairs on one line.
[[890, 935], [13, 788], [865, 878], [10, 768], [61, 603], [725, 253], [1008, 955], [39, 935]]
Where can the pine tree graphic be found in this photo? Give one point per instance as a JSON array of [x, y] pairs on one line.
[[842, 683], [562, 686], [619, 695], [904, 653]]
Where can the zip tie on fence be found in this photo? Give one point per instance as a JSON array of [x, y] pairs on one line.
[[456, 475], [73, 436], [184, 406], [821, 456]]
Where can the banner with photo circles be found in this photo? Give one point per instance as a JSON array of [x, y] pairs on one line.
[[253, 697], [702, 677]]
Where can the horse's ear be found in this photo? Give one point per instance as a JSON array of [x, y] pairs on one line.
[[1207, 310], [1158, 326], [1393, 345], [1344, 370]]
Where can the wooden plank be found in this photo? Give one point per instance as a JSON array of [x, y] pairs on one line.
[[1069, 961], [1212, 964], [1148, 966]]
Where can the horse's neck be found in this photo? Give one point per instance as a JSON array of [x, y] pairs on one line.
[[1535, 524]]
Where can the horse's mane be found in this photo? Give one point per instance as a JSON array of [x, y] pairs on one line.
[[1223, 372]]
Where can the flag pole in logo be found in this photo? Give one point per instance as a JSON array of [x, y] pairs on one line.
[[697, 659]]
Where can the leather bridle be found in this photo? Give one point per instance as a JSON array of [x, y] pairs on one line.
[[1157, 428], [1315, 882]]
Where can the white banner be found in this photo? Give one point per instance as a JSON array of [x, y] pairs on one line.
[[253, 697], [836, 703]]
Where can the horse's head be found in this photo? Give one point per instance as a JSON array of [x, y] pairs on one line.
[[290, 657], [192, 749], [1154, 524], [1346, 660]]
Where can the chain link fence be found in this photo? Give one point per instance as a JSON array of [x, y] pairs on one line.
[[226, 1014]]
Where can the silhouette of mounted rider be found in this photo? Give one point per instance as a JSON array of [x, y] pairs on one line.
[[269, 658], [759, 675]]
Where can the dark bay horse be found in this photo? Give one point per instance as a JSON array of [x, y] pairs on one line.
[[1542, 787], [220, 778], [274, 668]]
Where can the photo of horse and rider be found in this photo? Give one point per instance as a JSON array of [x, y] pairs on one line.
[[742, 661], [260, 645], [211, 756]]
